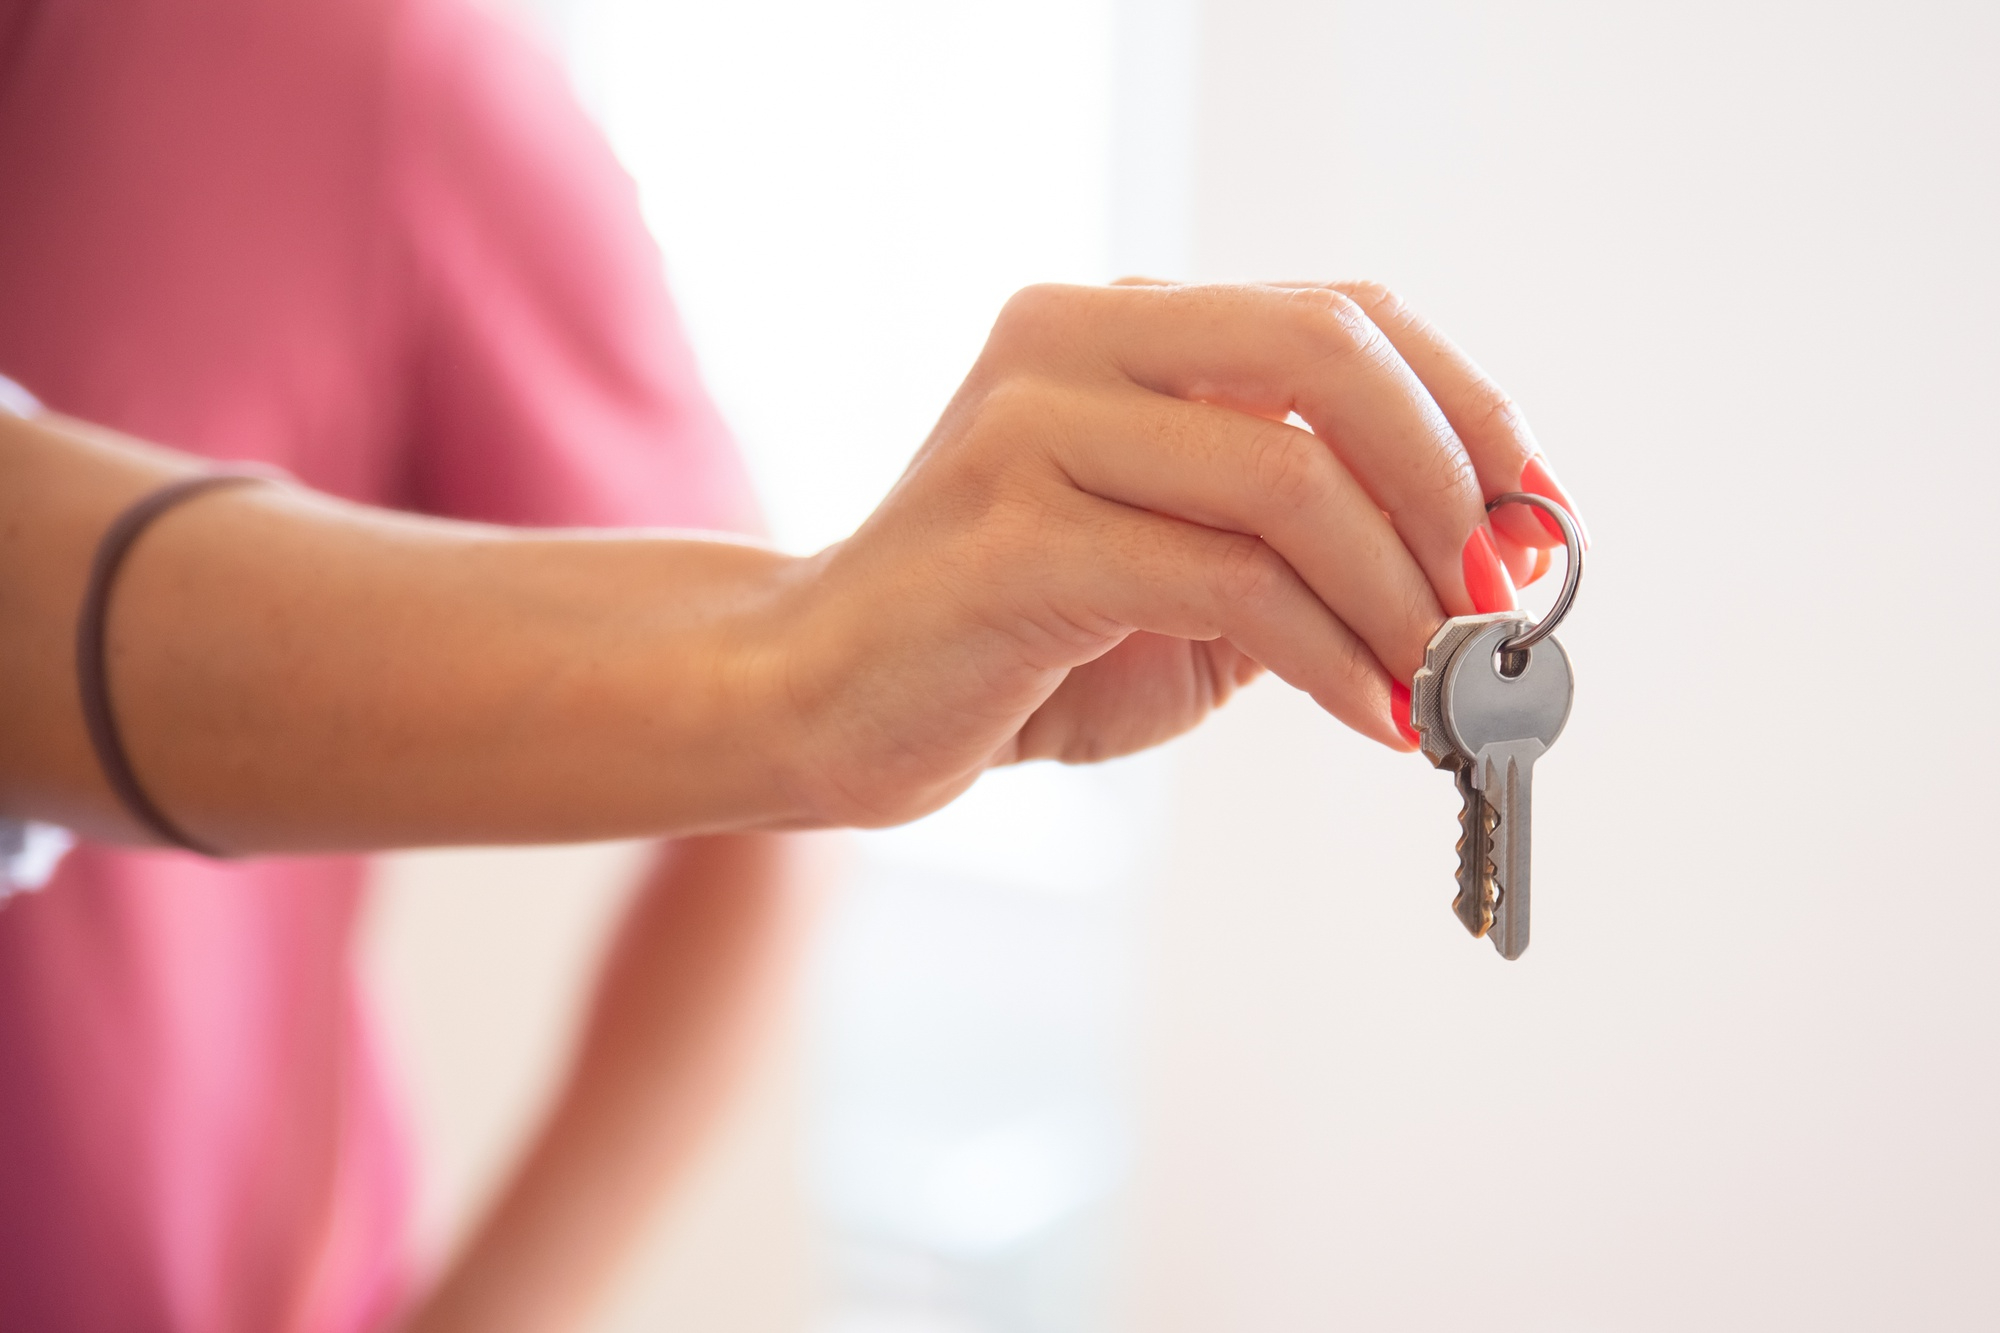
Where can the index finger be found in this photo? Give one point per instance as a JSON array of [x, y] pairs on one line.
[[1495, 434], [1309, 350]]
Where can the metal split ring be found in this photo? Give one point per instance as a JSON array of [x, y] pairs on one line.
[[1572, 571]]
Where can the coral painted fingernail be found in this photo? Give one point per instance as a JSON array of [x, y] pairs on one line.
[[1399, 712], [1536, 479], [1543, 560], [1486, 580]]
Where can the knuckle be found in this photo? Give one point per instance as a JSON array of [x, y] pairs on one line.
[[1442, 479], [1021, 528], [1002, 533], [1247, 572], [1453, 475], [1376, 300], [1494, 415], [1018, 418], [1033, 316], [1288, 467], [1332, 322], [1320, 302], [1355, 666], [1016, 406]]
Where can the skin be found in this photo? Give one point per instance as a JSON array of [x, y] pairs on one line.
[[1111, 529]]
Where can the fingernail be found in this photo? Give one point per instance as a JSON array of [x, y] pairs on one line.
[[1399, 712], [1543, 560], [1486, 580], [1536, 479]]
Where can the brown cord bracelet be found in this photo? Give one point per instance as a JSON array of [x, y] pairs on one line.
[[92, 683]]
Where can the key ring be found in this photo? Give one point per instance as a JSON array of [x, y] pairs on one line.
[[1572, 570]]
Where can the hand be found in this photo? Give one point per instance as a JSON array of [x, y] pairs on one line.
[[1113, 527]]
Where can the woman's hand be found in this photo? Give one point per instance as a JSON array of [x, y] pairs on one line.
[[1114, 526], [1111, 529]]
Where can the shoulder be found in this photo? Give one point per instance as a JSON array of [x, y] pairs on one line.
[[554, 381], [503, 183], [475, 102]]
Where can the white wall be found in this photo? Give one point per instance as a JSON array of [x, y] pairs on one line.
[[1738, 262]]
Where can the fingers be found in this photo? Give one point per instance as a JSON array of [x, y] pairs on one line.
[[1148, 689], [1520, 559], [1270, 351], [1492, 430], [1167, 576], [1243, 474], [1496, 436]]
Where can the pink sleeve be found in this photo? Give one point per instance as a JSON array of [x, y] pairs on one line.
[[553, 382]]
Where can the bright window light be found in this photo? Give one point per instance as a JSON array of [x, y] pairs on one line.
[[846, 194]]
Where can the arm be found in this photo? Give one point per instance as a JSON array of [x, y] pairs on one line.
[[274, 654], [691, 982], [1111, 528]]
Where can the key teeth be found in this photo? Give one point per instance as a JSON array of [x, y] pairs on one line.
[[1478, 892]]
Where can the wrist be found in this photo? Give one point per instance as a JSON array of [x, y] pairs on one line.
[[745, 708], [860, 690], [777, 671]]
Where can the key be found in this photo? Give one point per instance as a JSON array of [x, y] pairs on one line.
[[1476, 891], [1487, 716], [1503, 710]]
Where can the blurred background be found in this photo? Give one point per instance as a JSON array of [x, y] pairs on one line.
[[1193, 1042]]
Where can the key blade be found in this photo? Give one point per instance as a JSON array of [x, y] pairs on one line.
[[1476, 891], [1505, 777]]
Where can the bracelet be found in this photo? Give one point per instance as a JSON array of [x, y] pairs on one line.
[[92, 683]]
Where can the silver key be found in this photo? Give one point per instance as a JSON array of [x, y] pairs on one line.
[[1488, 715]]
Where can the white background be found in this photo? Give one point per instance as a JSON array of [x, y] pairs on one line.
[[1738, 264]]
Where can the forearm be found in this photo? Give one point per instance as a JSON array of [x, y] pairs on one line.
[[688, 989], [1112, 527], [292, 673]]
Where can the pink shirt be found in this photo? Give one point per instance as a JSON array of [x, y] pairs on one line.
[[375, 242]]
